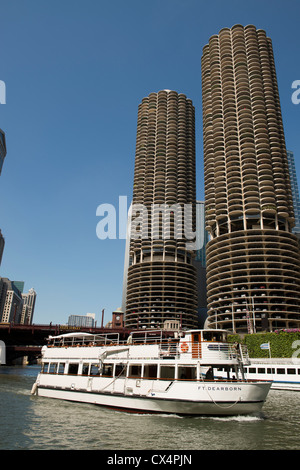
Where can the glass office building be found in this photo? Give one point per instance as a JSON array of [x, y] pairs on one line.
[[2, 149], [295, 190]]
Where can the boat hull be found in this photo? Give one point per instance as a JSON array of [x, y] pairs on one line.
[[286, 386], [205, 399]]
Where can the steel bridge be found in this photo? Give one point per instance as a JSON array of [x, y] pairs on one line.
[[28, 340]]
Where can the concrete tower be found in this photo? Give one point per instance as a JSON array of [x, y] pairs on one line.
[[252, 256], [161, 283]]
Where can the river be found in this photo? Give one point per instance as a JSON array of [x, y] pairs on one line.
[[35, 423]]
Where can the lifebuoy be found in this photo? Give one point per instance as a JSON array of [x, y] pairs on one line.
[[184, 347]]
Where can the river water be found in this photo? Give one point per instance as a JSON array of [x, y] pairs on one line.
[[35, 423]]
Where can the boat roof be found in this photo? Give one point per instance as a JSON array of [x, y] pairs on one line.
[[213, 330], [72, 335], [83, 334]]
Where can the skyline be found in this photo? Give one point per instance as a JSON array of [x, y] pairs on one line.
[[74, 75]]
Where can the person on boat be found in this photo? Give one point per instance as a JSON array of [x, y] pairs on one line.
[[209, 374]]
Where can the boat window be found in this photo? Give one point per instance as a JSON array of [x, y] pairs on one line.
[[85, 369], [135, 371], [107, 370], [270, 371], [291, 371], [150, 371], [167, 372], [280, 371], [252, 370], [120, 370], [298, 371], [53, 368], [73, 369], [95, 369], [45, 368], [212, 336], [261, 370], [187, 373], [61, 368]]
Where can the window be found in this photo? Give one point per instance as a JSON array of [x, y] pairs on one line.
[[271, 371], [61, 368], [187, 373], [95, 369], [45, 368], [261, 370], [150, 371], [252, 370], [120, 370], [291, 371], [280, 371], [135, 371], [107, 370], [53, 368], [73, 369], [167, 372], [85, 369]]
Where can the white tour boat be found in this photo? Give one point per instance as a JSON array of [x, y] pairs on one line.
[[151, 372], [284, 372]]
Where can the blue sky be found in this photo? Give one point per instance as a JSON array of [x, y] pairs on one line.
[[75, 73]]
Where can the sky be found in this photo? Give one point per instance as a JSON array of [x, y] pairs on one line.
[[75, 73]]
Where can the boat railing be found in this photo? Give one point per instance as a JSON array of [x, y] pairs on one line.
[[212, 351], [146, 337], [84, 340], [227, 351], [169, 349]]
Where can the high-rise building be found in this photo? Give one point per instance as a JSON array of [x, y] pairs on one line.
[[28, 307], [11, 302], [200, 263], [86, 321], [202, 233], [2, 157], [126, 262], [295, 190], [252, 257], [161, 283], [2, 148], [2, 243], [19, 285]]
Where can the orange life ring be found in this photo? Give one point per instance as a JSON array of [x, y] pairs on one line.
[[184, 347]]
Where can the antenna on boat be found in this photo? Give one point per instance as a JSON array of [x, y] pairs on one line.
[[102, 318]]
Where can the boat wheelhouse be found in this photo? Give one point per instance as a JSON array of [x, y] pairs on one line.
[[154, 371]]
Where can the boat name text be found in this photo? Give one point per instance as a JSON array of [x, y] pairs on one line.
[[219, 389]]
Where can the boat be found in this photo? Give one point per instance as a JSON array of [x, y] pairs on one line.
[[151, 371], [284, 372]]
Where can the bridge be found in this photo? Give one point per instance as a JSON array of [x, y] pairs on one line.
[[28, 340]]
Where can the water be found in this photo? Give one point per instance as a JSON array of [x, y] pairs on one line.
[[36, 423]]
